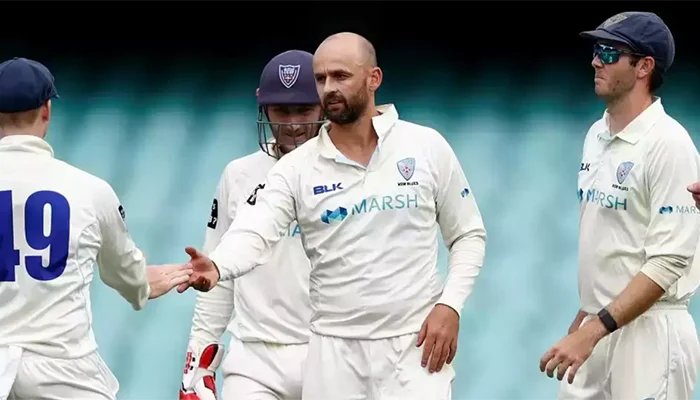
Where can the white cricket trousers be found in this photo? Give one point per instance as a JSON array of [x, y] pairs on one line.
[[656, 356], [25, 375], [263, 371], [382, 369]]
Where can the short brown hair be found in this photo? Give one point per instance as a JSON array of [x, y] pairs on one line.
[[19, 119]]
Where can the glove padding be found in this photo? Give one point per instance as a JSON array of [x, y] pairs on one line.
[[199, 379]]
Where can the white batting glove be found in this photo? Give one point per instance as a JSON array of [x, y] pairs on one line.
[[199, 379]]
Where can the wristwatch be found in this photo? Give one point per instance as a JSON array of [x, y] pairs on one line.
[[607, 320]]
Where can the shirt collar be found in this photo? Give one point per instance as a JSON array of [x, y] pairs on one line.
[[639, 126], [382, 124], [26, 143]]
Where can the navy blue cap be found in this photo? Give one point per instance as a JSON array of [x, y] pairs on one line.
[[644, 32], [288, 79], [24, 85]]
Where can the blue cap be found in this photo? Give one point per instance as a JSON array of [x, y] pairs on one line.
[[644, 32], [24, 85], [288, 79]]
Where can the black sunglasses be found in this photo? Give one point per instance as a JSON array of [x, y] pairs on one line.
[[609, 54]]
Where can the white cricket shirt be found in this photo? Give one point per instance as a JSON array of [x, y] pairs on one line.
[[56, 222], [270, 304], [370, 233], [635, 208]]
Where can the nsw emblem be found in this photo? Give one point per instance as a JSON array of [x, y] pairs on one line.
[[407, 167], [623, 171], [289, 75]]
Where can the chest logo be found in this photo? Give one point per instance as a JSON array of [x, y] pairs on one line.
[[623, 171], [407, 167]]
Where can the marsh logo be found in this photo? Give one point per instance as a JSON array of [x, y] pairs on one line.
[[602, 199], [465, 192], [338, 214], [679, 210], [372, 205]]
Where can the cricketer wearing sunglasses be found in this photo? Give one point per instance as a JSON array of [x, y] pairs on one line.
[[633, 337]]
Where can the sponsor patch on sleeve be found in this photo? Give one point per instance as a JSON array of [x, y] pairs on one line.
[[214, 216]]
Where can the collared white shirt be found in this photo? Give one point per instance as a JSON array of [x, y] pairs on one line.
[[370, 233], [635, 206], [271, 303], [56, 222]]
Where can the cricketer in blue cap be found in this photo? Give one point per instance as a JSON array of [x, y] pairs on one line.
[[26, 90], [271, 306], [635, 36], [633, 337], [288, 103]]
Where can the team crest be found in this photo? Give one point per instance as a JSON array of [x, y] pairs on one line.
[[289, 75], [614, 20], [406, 167], [623, 171]]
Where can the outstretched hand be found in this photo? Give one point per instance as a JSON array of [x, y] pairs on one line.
[[205, 274], [163, 278]]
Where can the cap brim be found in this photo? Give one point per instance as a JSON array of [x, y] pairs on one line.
[[603, 35]]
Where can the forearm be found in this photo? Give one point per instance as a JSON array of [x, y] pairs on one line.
[[647, 287], [212, 313], [639, 295], [465, 260], [125, 272], [237, 255]]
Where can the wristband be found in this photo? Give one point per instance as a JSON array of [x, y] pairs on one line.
[[607, 320]]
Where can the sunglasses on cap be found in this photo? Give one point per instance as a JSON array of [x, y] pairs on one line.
[[609, 54]]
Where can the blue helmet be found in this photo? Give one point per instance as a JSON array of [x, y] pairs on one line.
[[287, 81]]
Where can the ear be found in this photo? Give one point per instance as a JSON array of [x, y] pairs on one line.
[[375, 78], [646, 66], [46, 111], [257, 92]]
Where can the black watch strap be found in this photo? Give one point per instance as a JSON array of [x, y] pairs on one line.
[[607, 320]]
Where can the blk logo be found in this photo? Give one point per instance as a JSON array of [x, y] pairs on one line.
[[327, 188]]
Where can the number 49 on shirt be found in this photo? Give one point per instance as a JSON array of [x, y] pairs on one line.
[[57, 239]]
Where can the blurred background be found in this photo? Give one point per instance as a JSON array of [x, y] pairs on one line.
[[158, 104]]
